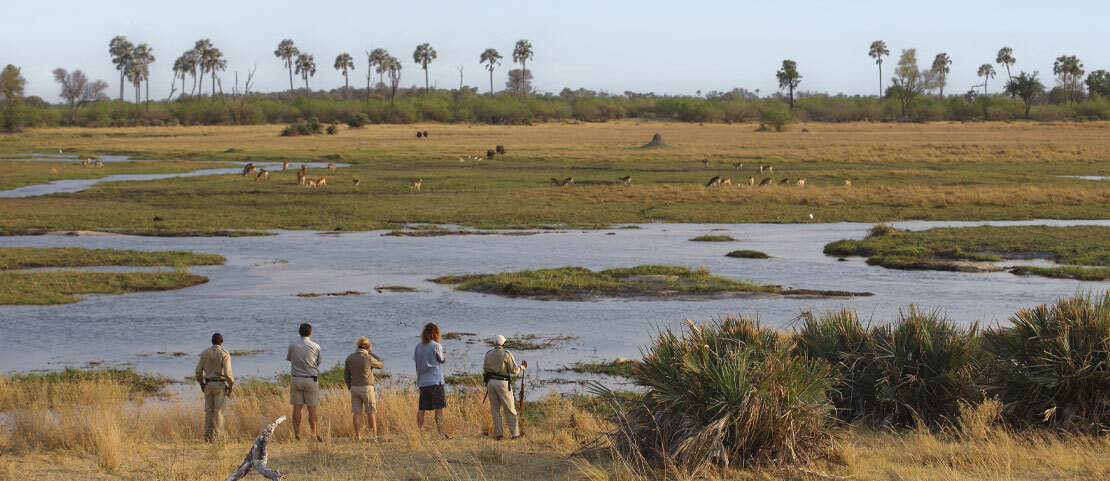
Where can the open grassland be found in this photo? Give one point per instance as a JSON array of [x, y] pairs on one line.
[[62, 287], [940, 171], [14, 174], [947, 248], [31, 257], [89, 430]]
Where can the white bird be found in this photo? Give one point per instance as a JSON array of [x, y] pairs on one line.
[[59, 151], [811, 217], [461, 160]]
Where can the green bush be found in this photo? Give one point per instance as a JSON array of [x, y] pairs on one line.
[[332, 129], [1051, 367], [357, 120], [778, 119], [728, 393], [918, 369], [303, 127]]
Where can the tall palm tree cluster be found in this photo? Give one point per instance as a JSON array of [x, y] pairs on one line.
[[203, 58], [133, 62]]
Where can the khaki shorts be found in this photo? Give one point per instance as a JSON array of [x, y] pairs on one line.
[[304, 391], [362, 399]]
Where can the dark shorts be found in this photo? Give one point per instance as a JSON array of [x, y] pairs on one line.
[[432, 398]]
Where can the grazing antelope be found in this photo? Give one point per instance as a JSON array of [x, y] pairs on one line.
[[705, 163], [568, 181], [738, 165], [53, 170], [627, 180], [847, 182], [416, 184], [302, 169], [802, 182], [751, 180], [356, 181], [762, 168], [99, 164], [248, 169], [300, 178], [726, 181], [331, 167], [85, 163], [321, 182], [770, 169], [310, 183], [716, 180], [784, 181], [262, 174], [766, 181], [556, 182], [285, 166], [501, 149], [490, 153]]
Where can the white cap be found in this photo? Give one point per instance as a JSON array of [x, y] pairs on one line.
[[499, 340]]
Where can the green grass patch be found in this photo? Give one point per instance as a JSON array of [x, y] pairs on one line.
[[951, 248], [618, 368], [246, 352], [32, 257], [463, 379], [46, 288], [646, 280], [532, 342], [139, 383], [1065, 272], [748, 254], [713, 238]]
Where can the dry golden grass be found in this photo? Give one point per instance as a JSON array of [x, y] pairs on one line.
[[91, 430]]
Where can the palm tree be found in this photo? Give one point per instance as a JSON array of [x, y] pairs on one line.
[[423, 55], [940, 70], [987, 72], [375, 60], [522, 53], [120, 49], [1006, 57], [393, 67], [491, 58], [203, 47], [144, 56], [192, 58], [287, 52], [877, 51], [181, 67], [1068, 69], [306, 67], [134, 74], [215, 62], [344, 62]]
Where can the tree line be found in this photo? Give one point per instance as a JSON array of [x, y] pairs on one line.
[[914, 94]]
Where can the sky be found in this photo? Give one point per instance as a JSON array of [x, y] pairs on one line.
[[666, 47]]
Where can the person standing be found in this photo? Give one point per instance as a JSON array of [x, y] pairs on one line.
[[429, 360], [499, 367], [358, 374], [304, 390], [214, 375]]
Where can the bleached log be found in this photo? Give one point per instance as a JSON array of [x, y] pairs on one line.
[[258, 455]]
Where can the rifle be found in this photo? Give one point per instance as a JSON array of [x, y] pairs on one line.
[[520, 421]]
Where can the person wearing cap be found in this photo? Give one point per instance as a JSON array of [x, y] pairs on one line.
[[499, 367], [214, 375], [304, 389], [358, 374]]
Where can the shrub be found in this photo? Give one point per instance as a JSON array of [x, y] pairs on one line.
[[357, 120], [1052, 366], [727, 392], [916, 370], [303, 127], [776, 118], [332, 129]]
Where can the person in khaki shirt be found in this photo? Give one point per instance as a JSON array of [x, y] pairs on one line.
[[358, 374], [214, 375], [499, 367]]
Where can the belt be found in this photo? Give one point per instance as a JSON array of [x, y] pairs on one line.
[[215, 379], [308, 377], [495, 377]]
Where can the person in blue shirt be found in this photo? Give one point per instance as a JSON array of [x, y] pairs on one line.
[[429, 360]]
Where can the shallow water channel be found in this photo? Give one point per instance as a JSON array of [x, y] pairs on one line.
[[252, 299]]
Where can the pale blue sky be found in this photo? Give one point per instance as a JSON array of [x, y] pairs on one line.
[[666, 47]]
